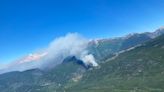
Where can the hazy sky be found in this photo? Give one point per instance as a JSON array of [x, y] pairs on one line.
[[27, 25]]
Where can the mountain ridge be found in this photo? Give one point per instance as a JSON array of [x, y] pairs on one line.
[[125, 70]]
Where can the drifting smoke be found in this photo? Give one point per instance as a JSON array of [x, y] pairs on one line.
[[72, 44], [88, 59]]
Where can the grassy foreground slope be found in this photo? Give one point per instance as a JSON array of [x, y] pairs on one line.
[[137, 70]]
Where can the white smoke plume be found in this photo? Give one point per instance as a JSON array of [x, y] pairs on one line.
[[88, 59], [72, 44]]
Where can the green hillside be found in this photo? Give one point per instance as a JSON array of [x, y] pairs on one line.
[[106, 48], [36, 80], [138, 70]]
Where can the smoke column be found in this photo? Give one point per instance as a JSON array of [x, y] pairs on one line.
[[71, 44]]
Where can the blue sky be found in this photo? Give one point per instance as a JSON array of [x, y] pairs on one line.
[[27, 25]]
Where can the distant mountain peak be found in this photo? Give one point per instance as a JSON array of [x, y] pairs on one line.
[[32, 57], [161, 28], [157, 33]]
